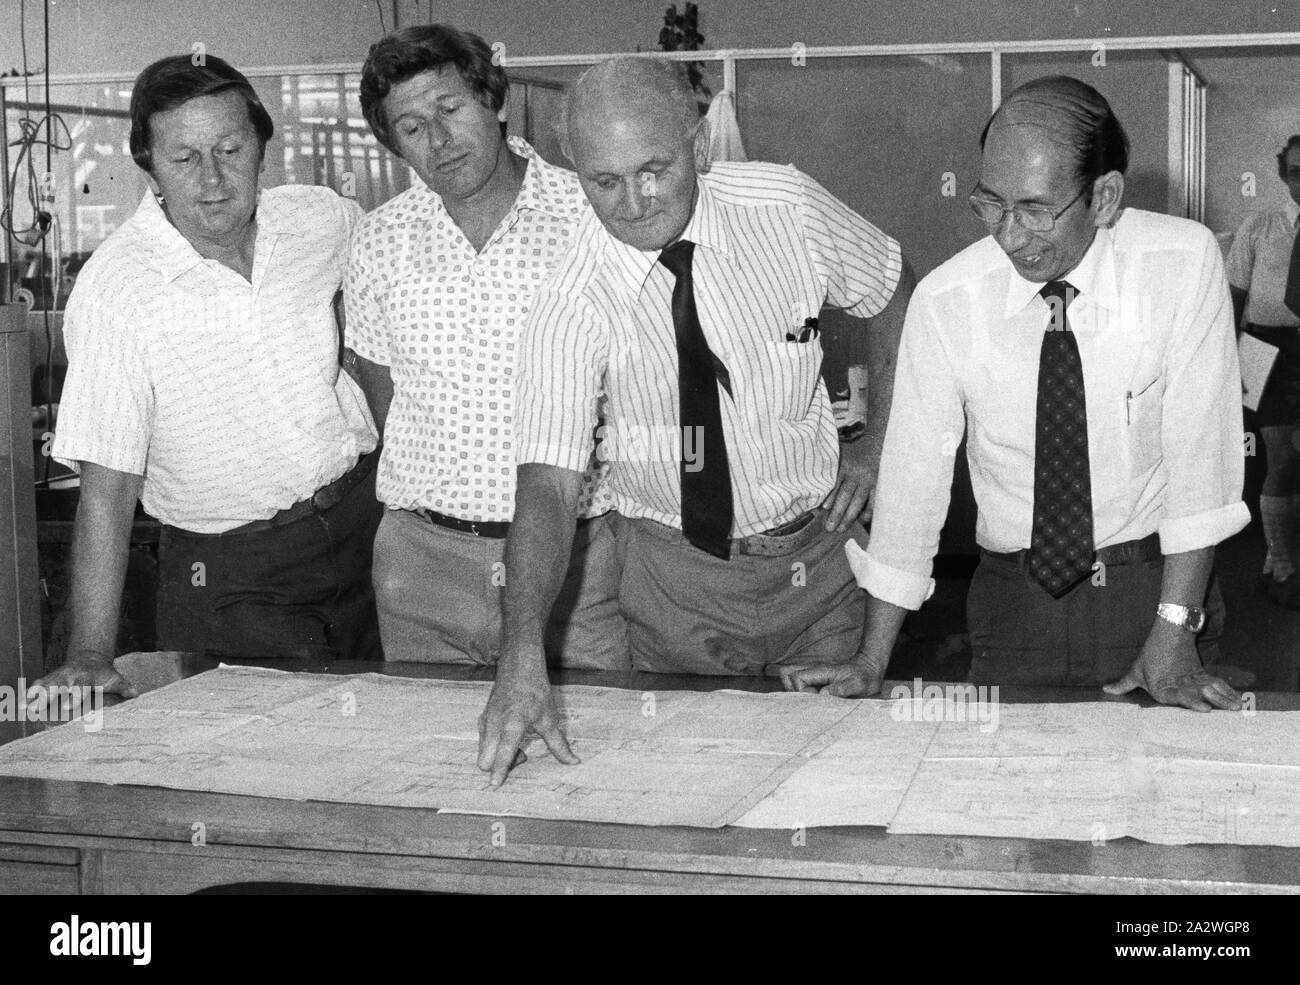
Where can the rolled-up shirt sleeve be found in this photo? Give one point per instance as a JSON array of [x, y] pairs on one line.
[[107, 406], [562, 358], [859, 263], [1201, 424], [926, 423]]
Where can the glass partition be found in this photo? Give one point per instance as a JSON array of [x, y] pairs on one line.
[[320, 138]]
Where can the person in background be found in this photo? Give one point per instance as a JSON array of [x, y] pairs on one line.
[[1088, 352], [1264, 278], [439, 285], [204, 381], [690, 300]]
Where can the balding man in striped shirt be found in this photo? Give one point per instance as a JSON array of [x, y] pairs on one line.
[[690, 300]]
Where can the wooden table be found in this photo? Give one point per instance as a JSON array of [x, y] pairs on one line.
[[72, 837]]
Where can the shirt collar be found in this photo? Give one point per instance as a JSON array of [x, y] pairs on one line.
[[1093, 277], [172, 255], [544, 184], [707, 228]]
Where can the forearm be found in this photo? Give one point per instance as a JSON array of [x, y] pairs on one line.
[[1186, 576], [537, 555], [880, 630], [1238, 305], [100, 544], [882, 344], [376, 383]]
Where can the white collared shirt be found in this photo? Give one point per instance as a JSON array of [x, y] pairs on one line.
[[1153, 321], [446, 320], [772, 247], [224, 394], [1259, 262]]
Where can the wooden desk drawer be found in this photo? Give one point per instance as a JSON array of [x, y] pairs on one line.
[[33, 870]]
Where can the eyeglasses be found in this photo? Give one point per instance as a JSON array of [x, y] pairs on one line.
[[1034, 218]]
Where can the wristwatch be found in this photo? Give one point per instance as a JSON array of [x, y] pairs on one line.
[[1188, 617]]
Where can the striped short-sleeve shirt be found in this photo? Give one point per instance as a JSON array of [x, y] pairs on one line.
[[772, 249], [224, 393]]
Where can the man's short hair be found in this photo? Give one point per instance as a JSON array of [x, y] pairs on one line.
[[404, 54], [174, 81], [1292, 141], [1088, 125]]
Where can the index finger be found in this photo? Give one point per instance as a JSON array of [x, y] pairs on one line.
[[556, 742], [856, 504], [1187, 697], [1221, 695], [511, 735], [842, 497]]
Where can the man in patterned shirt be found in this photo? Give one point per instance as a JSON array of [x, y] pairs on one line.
[[438, 289]]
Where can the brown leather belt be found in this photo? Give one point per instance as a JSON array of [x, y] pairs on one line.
[[322, 500], [1145, 549]]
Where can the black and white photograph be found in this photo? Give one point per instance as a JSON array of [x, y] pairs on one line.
[[742, 447]]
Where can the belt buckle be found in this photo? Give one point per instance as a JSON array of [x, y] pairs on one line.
[[754, 547]]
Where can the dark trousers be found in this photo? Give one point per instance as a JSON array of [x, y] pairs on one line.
[[1021, 635], [300, 591]]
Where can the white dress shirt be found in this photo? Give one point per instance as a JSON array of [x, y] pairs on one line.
[[1153, 321], [1259, 262], [225, 394], [773, 247], [446, 320]]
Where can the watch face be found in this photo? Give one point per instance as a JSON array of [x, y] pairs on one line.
[[1190, 618]]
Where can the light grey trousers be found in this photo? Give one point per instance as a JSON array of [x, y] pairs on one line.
[[438, 593]]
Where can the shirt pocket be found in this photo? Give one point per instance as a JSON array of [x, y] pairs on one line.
[[1143, 415], [787, 392]]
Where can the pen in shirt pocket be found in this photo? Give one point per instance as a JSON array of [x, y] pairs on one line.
[[809, 332]]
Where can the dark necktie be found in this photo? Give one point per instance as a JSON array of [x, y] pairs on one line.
[[706, 481], [1061, 548], [1291, 296]]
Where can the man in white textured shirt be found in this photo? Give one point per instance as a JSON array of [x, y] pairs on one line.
[[1088, 353], [438, 290], [691, 300], [204, 380]]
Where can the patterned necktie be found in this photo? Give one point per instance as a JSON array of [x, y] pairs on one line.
[[706, 479], [1061, 547], [1291, 296]]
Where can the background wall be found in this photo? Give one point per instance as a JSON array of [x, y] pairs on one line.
[[1252, 108], [125, 35]]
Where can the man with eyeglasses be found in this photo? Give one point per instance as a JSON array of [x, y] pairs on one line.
[[1088, 353]]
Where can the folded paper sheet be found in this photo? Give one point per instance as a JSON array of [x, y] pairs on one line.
[[1085, 771]]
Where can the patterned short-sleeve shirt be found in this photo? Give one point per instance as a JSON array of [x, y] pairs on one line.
[[446, 319]]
